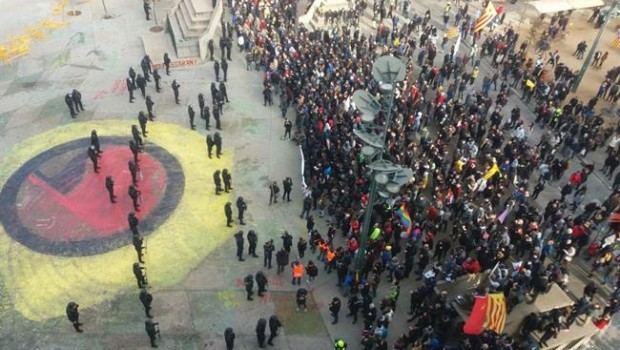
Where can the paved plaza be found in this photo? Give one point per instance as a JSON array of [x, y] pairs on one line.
[[194, 276]]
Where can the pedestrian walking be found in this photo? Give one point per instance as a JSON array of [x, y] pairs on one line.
[[274, 190], [300, 299], [147, 9], [298, 272]]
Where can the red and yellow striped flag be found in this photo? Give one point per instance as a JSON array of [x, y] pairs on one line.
[[487, 16], [496, 313], [616, 43]]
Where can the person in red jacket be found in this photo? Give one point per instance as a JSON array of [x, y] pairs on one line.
[[471, 265]]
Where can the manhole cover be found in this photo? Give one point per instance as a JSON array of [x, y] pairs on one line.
[[74, 13], [156, 29]]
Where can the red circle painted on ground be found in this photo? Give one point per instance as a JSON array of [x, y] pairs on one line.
[[82, 210]]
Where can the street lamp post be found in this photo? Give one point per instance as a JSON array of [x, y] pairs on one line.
[[586, 63], [387, 71]]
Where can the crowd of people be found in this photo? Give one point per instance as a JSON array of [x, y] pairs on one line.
[[477, 173]]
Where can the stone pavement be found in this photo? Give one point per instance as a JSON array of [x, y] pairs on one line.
[[93, 55]]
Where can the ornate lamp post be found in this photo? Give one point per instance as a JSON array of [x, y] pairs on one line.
[[386, 177]]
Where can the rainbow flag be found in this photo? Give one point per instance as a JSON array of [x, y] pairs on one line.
[[405, 219]]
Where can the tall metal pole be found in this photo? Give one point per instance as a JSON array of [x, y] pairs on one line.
[[586, 64], [361, 252], [360, 257]]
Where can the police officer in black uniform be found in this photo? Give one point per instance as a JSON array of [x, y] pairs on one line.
[[131, 87], [211, 48], [192, 114], [206, 115], [157, 78], [132, 76], [146, 68], [252, 240], [248, 282], [149, 107], [201, 104], [227, 180], [141, 84], [287, 185], [137, 138], [241, 208], [213, 94], [224, 70], [135, 149], [134, 193], [268, 249], [261, 282], [146, 299], [143, 119], [73, 314], [94, 141], [138, 244], [76, 97], [175, 89], [239, 241], [217, 140], [223, 92], [217, 180], [216, 116], [133, 222], [69, 103], [147, 9], [167, 63], [210, 144], [133, 170], [152, 330], [261, 327], [228, 211], [92, 154], [216, 68], [138, 271], [109, 185]]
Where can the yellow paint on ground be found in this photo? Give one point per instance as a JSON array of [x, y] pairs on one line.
[[40, 285]]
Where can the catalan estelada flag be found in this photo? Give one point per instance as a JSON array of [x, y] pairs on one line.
[[405, 219], [487, 16], [496, 313], [489, 312]]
